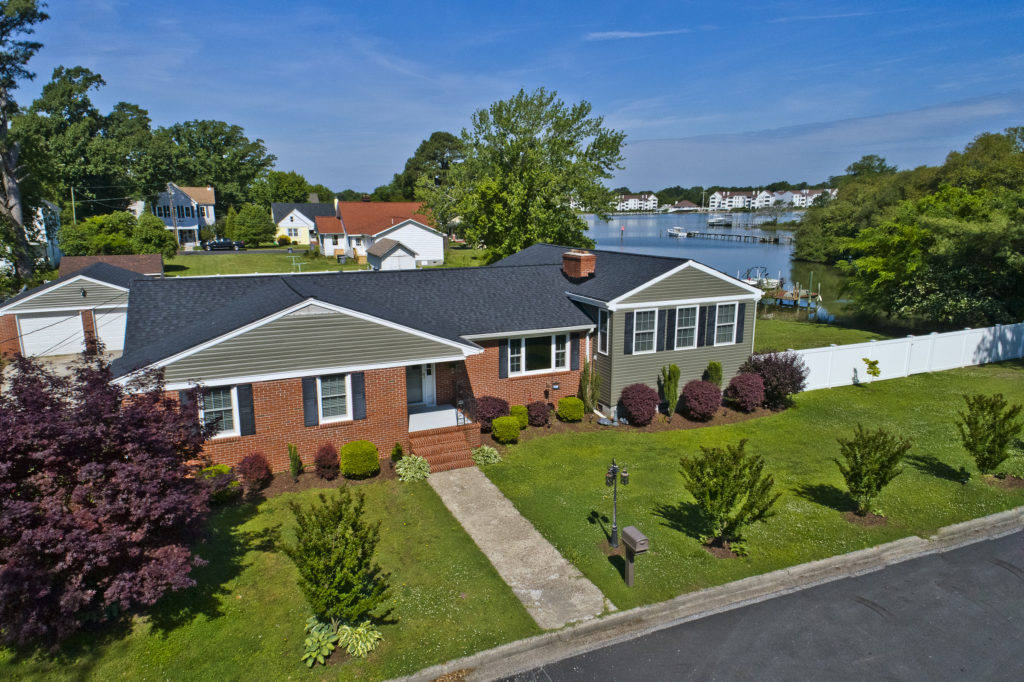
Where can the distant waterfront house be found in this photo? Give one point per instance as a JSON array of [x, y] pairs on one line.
[[683, 206], [186, 210], [724, 200], [636, 202], [764, 199], [298, 221], [359, 224]]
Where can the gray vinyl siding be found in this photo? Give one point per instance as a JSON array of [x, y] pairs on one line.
[[299, 342], [602, 362], [687, 283], [646, 368], [69, 295]]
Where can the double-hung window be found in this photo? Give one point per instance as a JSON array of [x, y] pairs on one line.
[[333, 398], [220, 410], [293, 232], [645, 322], [534, 354], [602, 331], [725, 324], [686, 327]]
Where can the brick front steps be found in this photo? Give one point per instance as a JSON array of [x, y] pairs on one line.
[[444, 449]]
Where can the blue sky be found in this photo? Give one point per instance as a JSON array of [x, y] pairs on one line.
[[708, 93]]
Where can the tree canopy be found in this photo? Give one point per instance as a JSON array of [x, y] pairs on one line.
[[253, 225], [433, 158], [286, 187], [526, 158]]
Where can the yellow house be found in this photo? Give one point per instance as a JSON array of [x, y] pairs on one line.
[[298, 221]]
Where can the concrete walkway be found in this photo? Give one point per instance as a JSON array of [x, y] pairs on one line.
[[553, 591]]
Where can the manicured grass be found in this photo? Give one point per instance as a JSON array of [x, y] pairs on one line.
[[245, 618], [558, 483], [783, 334], [246, 262], [462, 256]]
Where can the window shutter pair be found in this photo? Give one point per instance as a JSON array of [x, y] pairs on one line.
[[310, 409]]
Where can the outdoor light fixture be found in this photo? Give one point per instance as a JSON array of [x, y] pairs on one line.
[[84, 293], [611, 479], [554, 386]]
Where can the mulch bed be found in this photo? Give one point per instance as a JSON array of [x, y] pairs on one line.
[[720, 549], [308, 480], [868, 519], [660, 423], [1006, 483]]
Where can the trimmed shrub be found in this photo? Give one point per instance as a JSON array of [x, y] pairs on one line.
[[701, 400], [538, 413], [254, 470], [489, 408], [641, 403], [521, 413], [871, 459], [359, 459], [669, 383], [784, 374], [397, 453], [412, 468], [987, 428], [326, 462], [485, 454], [570, 409], [284, 240], [222, 483], [295, 465], [745, 392], [713, 373], [506, 429]]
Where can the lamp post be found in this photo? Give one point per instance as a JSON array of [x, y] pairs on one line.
[[611, 479]]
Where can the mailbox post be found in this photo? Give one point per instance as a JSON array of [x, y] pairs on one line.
[[636, 543], [611, 479]]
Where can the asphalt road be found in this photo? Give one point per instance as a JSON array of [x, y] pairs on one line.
[[958, 615]]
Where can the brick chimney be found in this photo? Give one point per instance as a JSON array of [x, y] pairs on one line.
[[578, 264]]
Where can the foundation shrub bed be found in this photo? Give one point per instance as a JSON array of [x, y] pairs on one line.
[[505, 429], [538, 413], [489, 408], [360, 459], [745, 392], [641, 403], [570, 409], [701, 400]]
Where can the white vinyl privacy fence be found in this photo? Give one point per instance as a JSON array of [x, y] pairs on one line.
[[838, 365]]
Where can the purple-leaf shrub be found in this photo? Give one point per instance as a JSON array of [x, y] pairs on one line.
[[746, 391], [99, 509], [784, 374], [701, 400], [489, 408], [538, 413], [641, 403], [254, 470], [326, 463]]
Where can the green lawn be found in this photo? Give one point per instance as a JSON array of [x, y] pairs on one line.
[[246, 262], [245, 618], [557, 482], [461, 256], [783, 334]]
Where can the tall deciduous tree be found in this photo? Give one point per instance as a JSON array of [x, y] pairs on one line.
[[280, 186], [253, 225], [526, 159], [17, 20], [433, 158]]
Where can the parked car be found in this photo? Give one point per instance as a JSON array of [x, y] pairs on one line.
[[222, 244]]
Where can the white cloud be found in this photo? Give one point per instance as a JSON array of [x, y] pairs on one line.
[[625, 35]]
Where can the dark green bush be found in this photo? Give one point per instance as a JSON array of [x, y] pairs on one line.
[[521, 413], [505, 429], [871, 459], [570, 409], [987, 428], [713, 374], [360, 459]]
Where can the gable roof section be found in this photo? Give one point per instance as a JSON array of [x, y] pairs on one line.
[[421, 224], [144, 264], [280, 210], [371, 217], [382, 247], [329, 225], [200, 195], [100, 272]]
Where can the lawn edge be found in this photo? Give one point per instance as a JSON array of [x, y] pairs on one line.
[[533, 652]]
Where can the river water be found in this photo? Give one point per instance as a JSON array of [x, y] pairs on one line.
[[648, 234]]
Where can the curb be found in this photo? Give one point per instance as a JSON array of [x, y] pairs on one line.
[[526, 654]]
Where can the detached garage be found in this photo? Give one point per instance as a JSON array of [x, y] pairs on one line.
[[63, 316], [387, 254]]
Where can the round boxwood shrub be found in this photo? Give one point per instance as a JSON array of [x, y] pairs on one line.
[[412, 468], [326, 462], [570, 409], [360, 459], [641, 403], [505, 429], [489, 408], [745, 392], [538, 412], [521, 413], [254, 470], [701, 400]]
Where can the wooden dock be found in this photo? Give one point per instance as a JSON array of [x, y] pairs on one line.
[[749, 238]]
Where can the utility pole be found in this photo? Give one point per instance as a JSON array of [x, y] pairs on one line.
[[174, 218], [74, 218]]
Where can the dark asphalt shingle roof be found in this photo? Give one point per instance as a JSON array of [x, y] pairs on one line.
[[381, 247], [280, 209], [104, 272]]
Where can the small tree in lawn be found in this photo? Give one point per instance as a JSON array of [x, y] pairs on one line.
[[99, 510], [730, 488], [871, 459], [987, 428], [333, 551], [670, 388]]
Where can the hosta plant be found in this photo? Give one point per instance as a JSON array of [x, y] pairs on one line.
[[321, 641], [485, 454], [359, 641], [412, 468]]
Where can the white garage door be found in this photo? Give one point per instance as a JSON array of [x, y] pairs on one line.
[[110, 323], [51, 333], [399, 261]]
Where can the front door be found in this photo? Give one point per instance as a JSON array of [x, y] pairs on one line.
[[428, 384], [419, 384]]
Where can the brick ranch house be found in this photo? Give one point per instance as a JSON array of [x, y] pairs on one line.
[[400, 356]]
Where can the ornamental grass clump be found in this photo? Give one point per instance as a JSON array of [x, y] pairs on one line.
[[412, 468], [489, 408], [538, 413], [505, 430], [360, 459], [783, 374], [745, 392], [520, 413], [871, 459], [701, 400], [254, 470], [987, 428], [641, 403], [570, 409], [326, 463]]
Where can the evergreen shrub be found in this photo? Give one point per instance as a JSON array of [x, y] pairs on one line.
[[521, 413], [570, 409], [360, 459], [505, 429]]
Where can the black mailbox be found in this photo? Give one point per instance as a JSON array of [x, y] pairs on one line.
[[634, 540]]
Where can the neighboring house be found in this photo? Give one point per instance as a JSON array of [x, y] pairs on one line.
[[396, 353], [298, 221], [727, 200], [151, 264], [331, 236], [361, 223], [764, 199], [186, 210], [683, 206], [43, 235], [636, 202], [387, 254], [62, 316]]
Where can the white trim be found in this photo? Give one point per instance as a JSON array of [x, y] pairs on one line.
[[234, 414], [653, 332], [689, 264], [256, 378], [696, 325], [404, 222], [320, 400], [683, 302], [607, 330], [49, 289], [735, 317], [522, 357], [528, 332], [588, 300], [238, 331]]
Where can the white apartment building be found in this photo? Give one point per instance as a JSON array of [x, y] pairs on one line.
[[636, 202]]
